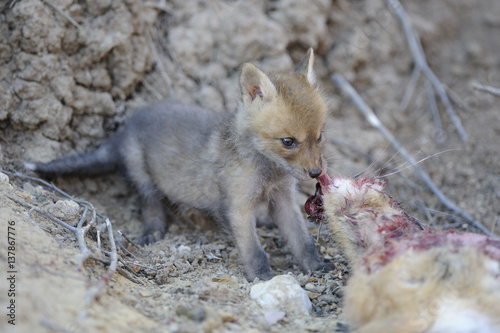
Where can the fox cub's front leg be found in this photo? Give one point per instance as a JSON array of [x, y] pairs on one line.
[[240, 214], [288, 218], [243, 227]]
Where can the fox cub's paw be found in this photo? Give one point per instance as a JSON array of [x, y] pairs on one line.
[[266, 276], [323, 267], [257, 265], [151, 235], [310, 260], [149, 238], [315, 264]]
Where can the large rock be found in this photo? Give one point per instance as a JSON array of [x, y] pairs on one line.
[[52, 73]]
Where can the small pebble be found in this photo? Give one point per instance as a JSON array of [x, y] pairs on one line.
[[4, 178], [195, 313], [66, 210], [184, 250]]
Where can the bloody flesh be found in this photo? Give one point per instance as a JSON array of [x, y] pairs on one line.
[[314, 204]]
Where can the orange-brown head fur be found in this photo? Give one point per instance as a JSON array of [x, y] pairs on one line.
[[286, 106]]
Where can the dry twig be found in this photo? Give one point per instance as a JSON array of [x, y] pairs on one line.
[[421, 66], [492, 90], [375, 122], [93, 291], [121, 233], [82, 228], [158, 61], [57, 9]]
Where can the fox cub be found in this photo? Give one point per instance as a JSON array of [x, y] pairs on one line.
[[223, 164]]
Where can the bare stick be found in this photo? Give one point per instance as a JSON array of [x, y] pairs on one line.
[[410, 88], [80, 236], [435, 112], [488, 89], [456, 100], [422, 65], [139, 265], [69, 18], [94, 290], [42, 212], [121, 233], [441, 91], [158, 61], [99, 240], [319, 230], [127, 274], [375, 122], [125, 250]]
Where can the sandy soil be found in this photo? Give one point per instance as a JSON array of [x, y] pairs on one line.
[[64, 88]]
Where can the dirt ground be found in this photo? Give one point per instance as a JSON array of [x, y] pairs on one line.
[[66, 85]]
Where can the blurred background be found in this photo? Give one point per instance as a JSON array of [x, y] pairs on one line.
[[71, 71]]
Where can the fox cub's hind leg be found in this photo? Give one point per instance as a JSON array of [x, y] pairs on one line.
[[152, 209], [153, 215]]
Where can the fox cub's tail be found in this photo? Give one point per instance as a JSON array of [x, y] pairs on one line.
[[105, 159]]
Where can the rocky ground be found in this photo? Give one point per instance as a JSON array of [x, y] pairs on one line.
[[65, 85]]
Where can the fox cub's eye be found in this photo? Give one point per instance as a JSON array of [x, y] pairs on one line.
[[288, 142], [320, 138]]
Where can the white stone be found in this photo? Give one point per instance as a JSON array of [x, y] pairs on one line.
[[271, 317], [4, 178], [4, 181], [66, 210], [184, 250], [283, 293]]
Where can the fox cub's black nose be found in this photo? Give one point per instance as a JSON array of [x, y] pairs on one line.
[[315, 172]]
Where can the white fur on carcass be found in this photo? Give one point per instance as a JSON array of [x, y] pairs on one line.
[[407, 278]]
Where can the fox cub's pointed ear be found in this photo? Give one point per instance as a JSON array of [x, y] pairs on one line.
[[255, 85], [305, 67]]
